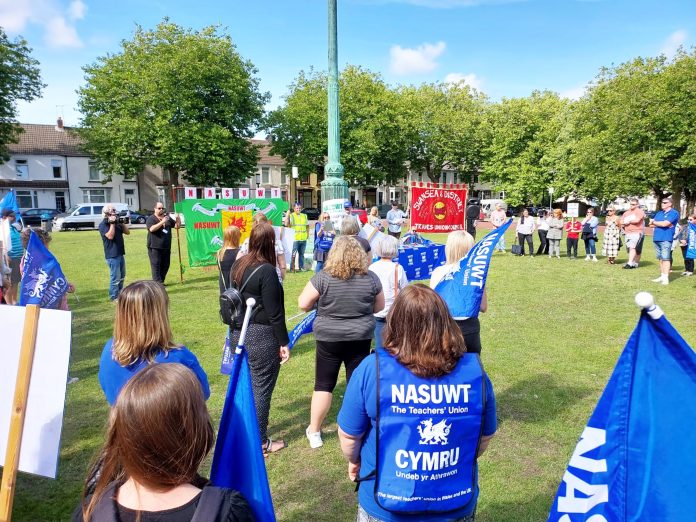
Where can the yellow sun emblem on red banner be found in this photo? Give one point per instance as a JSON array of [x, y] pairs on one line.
[[439, 210]]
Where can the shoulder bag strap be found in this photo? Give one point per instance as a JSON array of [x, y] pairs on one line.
[[220, 272], [244, 284]]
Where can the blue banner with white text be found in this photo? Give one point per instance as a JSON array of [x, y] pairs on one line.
[[462, 289], [305, 326], [636, 457], [691, 242]]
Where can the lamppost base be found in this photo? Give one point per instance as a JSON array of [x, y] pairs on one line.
[[334, 188]]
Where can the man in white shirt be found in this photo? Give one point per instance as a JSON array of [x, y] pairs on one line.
[[498, 218], [395, 219]]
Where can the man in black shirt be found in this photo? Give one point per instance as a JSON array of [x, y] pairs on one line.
[[114, 250], [159, 241]]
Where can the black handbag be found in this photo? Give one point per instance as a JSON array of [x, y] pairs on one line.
[[516, 248]]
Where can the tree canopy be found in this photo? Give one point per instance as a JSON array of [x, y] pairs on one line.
[[181, 99], [20, 79]]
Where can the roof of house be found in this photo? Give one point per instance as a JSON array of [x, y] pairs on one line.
[[265, 157], [47, 140]]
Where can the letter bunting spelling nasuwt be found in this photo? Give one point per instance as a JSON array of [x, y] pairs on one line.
[[437, 209]]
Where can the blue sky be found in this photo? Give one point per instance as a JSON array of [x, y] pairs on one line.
[[506, 48]]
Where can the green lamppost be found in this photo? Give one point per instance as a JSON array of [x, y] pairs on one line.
[[334, 189]]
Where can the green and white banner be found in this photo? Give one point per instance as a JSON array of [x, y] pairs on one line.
[[204, 222]]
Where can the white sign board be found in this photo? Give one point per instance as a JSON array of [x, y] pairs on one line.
[[373, 236], [44, 416], [336, 210], [573, 210]]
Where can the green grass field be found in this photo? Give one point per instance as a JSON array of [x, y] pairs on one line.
[[552, 334]]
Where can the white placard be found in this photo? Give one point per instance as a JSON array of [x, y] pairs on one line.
[[189, 192], [372, 235], [275, 192], [226, 193], [243, 193], [209, 192], [260, 192], [573, 210], [336, 210], [44, 416]]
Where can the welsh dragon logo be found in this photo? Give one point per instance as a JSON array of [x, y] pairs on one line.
[[38, 282], [434, 433]]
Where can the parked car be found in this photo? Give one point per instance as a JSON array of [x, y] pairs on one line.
[[361, 214], [86, 215], [139, 218], [34, 216], [311, 213]]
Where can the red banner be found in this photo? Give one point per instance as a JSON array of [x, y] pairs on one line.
[[438, 209]]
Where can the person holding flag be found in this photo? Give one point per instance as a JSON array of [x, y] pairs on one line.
[[13, 252], [159, 433], [458, 245]]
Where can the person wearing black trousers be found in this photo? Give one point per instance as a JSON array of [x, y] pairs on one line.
[[159, 241], [542, 229], [525, 231]]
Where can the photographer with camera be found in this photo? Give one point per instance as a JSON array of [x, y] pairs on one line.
[[112, 229], [159, 241]]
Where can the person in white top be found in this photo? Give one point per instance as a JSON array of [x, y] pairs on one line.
[[498, 218], [525, 231], [393, 278], [458, 245], [542, 230]]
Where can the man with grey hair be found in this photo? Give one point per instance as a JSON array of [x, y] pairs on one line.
[[112, 232], [633, 223], [664, 224], [391, 275]]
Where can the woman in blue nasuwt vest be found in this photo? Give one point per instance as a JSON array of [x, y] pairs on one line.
[[416, 416]]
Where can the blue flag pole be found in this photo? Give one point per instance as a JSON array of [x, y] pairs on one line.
[[238, 461], [636, 457], [462, 289]]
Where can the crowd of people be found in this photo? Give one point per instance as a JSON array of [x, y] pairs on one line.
[[629, 228], [418, 410]]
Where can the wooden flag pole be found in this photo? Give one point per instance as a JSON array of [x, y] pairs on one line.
[[19, 405], [178, 239]]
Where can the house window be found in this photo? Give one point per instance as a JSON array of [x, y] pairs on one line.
[[27, 198], [22, 169], [96, 195], [129, 197], [304, 179], [57, 167], [265, 175], [94, 172], [283, 176]]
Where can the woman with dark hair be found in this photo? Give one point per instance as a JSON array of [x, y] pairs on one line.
[[525, 231], [142, 336], [416, 416], [267, 336], [347, 295], [159, 434]]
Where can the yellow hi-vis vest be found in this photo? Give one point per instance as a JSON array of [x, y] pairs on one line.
[[299, 225]]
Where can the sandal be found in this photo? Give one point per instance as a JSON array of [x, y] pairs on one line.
[[273, 446]]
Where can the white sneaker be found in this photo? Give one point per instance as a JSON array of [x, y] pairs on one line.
[[314, 439], [665, 281], [594, 259], [587, 258], [658, 280]]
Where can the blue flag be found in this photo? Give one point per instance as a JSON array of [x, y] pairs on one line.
[[305, 326], [43, 282], [238, 461], [10, 201], [636, 458], [462, 289], [691, 242]]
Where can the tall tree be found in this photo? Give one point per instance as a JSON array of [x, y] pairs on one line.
[[523, 134], [20, 79], [372, 144], [181, 99]]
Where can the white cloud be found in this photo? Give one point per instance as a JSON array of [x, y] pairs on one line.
[[77, 9], [471, 80], [673, 42], [422, 59], [56, 19]]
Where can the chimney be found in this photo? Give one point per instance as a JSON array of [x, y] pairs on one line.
[[59, 123]]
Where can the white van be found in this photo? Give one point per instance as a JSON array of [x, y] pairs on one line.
[[488, 206], [86, 215]]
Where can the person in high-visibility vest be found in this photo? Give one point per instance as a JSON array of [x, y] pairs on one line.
[[299, 223]]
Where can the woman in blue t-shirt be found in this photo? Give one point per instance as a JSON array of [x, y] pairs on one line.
[[416, 416], [142, 336]]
